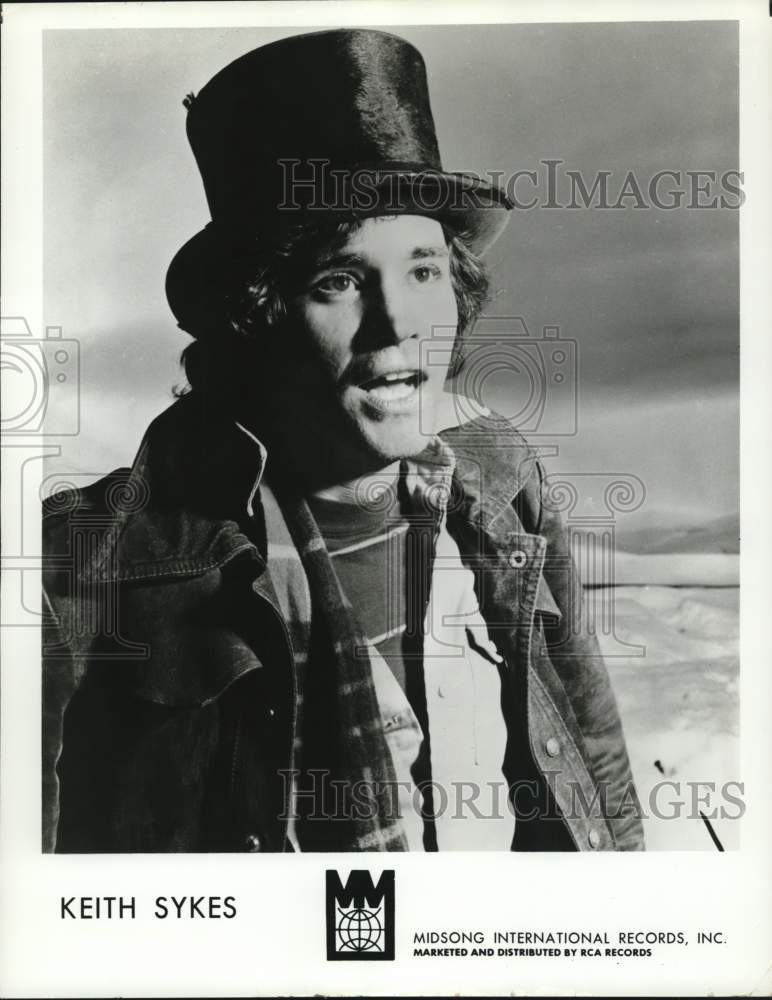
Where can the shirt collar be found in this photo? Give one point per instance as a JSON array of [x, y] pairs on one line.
[[429, 478]]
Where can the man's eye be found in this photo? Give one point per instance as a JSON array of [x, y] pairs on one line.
[[337, 284], [424, 274]]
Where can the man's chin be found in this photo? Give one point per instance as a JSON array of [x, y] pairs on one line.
[[390, 444], [387, 436]]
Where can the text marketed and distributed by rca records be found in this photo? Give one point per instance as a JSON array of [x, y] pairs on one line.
[[556, 944]]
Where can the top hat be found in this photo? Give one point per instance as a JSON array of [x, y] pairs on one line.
[[327, 124]]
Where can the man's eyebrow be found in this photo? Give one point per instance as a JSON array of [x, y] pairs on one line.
[[333, 259], [421, 252]]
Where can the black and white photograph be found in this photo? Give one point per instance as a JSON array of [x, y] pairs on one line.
[[331, 604], [372, 483]]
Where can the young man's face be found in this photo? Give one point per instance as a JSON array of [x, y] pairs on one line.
[[356, 377]]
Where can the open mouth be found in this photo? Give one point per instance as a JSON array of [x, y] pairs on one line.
[[394, 385]]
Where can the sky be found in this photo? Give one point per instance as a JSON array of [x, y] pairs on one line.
[[649, 297]]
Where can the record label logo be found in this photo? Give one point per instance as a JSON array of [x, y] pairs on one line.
[[360, 917]]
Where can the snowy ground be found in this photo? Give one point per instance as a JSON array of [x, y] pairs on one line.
[[679, 703]]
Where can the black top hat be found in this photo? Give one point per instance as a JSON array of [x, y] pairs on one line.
[[335, 122]]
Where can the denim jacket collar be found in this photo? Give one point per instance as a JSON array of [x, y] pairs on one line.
[[183, 507]]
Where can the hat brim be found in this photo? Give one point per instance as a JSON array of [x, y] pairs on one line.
[[201, 272]]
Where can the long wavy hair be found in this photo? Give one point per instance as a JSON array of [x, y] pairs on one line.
[[220, 363]]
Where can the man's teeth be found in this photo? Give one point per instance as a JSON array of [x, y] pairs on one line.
[[394, 385], [395, 389]]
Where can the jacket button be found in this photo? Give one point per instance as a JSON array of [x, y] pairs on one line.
[[517, 559], [253, 843], [594, 839], [552, 746]]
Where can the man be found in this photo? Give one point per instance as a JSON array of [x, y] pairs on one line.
[[318, 613]]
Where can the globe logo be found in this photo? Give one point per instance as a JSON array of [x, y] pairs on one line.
[[360, 916], [360, 930]]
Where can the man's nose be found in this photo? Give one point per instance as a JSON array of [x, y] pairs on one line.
[[391, 318]]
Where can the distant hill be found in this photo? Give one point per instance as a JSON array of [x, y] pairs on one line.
[[721, 535]]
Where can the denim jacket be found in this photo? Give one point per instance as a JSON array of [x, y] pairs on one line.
[[169, 690]]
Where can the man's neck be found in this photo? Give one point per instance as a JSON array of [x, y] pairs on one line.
[[363, 490]]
